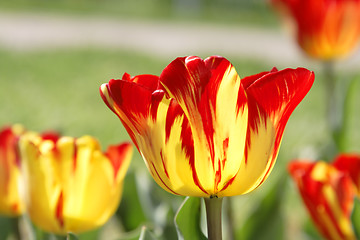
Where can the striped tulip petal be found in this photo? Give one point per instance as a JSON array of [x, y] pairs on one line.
[[213, 99], [71, 185], [203, 131], [155, 124], [11, 203], [272, 97], [328, 195]]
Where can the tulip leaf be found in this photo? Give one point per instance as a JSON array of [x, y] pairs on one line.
[[312, 233], [187, 220], [355, 217], [71, 236], [266, 216], [130, 211]]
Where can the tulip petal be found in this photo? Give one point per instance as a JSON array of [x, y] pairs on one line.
[[92, 194], [214, 102], [38, 174], [349, 163], [156, 126], [11, 203], [271, 99]]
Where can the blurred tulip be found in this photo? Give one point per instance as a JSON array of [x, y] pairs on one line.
[[328, 195], [349, 163], [71, 185], [11, 203], [200, 129], [326, 29]]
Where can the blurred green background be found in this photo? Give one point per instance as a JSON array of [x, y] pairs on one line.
[[57, 88]]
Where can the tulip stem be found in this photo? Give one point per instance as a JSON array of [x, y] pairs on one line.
[[213, 216]]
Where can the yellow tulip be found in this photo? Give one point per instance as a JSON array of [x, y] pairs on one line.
[[11, 203], [71, 185]]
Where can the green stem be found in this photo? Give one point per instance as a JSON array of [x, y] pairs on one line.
[[213, 216]]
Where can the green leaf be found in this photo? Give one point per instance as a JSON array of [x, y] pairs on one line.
[[71, 236], [266, 221], [187, 220], [130, 210], [312, 233], [355, 217]]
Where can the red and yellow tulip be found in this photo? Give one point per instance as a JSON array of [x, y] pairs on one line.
[[203, 131], [328, 195], [11, 203], [326, 29], [71, 185]]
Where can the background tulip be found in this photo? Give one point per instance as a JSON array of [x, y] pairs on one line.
[[326, 29], [11, 203], [328, 195], [71, 185], [200, 129]]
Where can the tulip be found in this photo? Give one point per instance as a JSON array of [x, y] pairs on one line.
[[328, 195], [201, 130], [326, 29], [71, 185], [11, 203], [349, 163]]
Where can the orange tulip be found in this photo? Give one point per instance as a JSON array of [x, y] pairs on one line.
[[326, 29], [71, 185], [328, 195], [200, 129], [11, 203]]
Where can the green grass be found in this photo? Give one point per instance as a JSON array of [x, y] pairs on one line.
[[224, 12]]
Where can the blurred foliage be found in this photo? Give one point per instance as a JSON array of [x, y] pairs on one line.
[[266, 214], [355, 217], [249, 12], [130, 211], [71, 236], [188, 219], [8, 226]]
